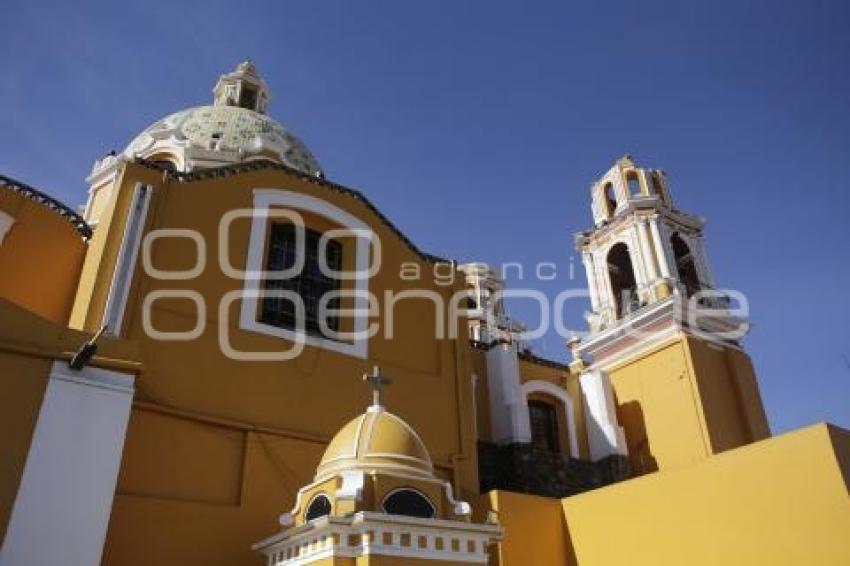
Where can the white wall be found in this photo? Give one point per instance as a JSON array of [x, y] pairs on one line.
[[62, 508]]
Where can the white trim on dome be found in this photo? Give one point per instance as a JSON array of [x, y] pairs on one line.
[[212, 136]]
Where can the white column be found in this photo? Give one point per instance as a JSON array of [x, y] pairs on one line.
[[648, 252], [508, 409], [663, 265], [636, 254], [592, 280], [62, 508]]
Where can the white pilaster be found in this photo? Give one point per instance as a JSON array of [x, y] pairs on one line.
[[660, 252], [604, 434], [637, 256], [592, 280], [648, 252], [62, 508]]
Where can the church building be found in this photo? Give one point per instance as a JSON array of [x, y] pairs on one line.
[[226, 358]]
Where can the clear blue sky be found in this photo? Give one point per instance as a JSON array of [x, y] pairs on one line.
[[478, 126]]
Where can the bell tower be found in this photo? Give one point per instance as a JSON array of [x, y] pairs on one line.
[[642, 248], [662, 334]]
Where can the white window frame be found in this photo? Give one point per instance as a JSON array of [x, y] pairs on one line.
[[264, 199], [125, 266]]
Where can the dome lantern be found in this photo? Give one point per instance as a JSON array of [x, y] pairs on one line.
[[243, 88]]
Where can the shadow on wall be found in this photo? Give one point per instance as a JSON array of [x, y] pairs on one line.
[[641, 460]]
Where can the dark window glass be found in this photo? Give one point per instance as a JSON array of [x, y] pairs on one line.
[[623, 283], [410, 503], [319, 507], [544, 426], [634, 184], [311, 284], [685, 265], [610, 199], [248, 98]]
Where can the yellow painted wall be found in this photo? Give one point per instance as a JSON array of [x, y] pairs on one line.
[[23, 379], [779, 501], [192, 462], [40, 258]]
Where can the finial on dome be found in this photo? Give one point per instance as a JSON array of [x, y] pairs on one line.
[[243, 87], [377, 380]]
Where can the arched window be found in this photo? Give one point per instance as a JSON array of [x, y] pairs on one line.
[[685, 266], [311, 284], [319, 507], [408, 502], [543, 418], [610, 199], [622, 276], [633, 183]]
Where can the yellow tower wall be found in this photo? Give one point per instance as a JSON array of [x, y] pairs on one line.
[[685, 399], [658, 406]]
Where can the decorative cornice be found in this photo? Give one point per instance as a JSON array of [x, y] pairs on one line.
[[525, 356], [264, 164], [49, 202]]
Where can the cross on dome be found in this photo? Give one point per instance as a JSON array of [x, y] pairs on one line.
[[377, 381]]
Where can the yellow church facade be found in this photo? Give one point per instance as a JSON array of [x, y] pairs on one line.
[[180, 364]]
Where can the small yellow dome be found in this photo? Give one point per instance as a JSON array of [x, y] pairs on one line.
[[376, 441]]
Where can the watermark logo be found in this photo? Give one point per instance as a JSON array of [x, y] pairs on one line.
[[318, 301]]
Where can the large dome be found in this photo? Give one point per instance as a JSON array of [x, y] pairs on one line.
[[221, 133], [234, 129], [376, 440]]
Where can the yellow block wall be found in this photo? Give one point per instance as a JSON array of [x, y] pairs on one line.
[[535, 534], [779, 501]]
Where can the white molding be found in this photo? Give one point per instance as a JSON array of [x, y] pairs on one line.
[[125, 265], [264, 199], [6, 222], [549, 388], [64, 500], [313, 542]]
